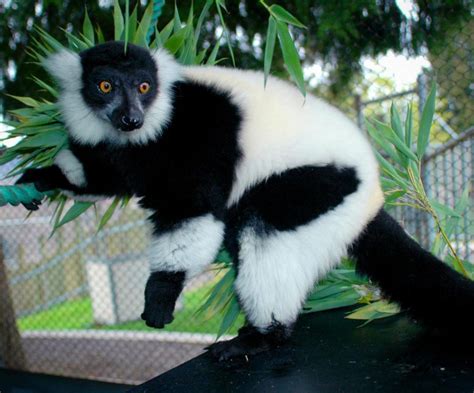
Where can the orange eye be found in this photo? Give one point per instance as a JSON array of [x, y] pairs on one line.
[[144, 87], [105, 87]]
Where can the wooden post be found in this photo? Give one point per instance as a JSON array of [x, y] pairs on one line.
[[11, 350]]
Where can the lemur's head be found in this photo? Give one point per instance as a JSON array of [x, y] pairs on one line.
[[112, 94]]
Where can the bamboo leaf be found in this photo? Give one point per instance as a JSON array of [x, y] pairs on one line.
[[28, 101], [87, 28], [290, 56], [132, 24], [118, 21], [220, 5], [142, 30], [211, 60], [269, 47], [75, 211], [342, 299], [409, 126], [231, 315], [284, 16], [201, 17], [375, 310], [396, 122], [425, 123], [44, 139], [100, 35], [176, 41], [108, 213]]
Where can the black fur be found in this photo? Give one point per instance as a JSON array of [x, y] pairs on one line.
[[288, 200], [161, 292], [123, 70], [250, 342], [431, 291]]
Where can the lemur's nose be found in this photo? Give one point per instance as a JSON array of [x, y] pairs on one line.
[[131, 122]]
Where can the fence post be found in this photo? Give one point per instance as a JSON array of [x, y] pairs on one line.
[[421, 218], [358, 108], [10, 340]]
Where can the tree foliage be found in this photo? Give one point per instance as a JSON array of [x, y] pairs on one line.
[[338, 32]]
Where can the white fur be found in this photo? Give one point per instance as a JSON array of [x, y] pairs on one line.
[[88, 128], [276, 272], [71, 167], [281, 131], [190, 247]]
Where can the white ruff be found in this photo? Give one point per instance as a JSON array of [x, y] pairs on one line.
[[85, 126], [190, 247], [71, 167]]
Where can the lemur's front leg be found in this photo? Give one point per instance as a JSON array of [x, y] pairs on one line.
[[177, 254], [78, 180], [66, 174]]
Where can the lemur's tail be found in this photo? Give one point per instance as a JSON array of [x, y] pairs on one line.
[[423, 285]]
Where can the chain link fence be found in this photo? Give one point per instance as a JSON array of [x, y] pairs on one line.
[[71, 302]]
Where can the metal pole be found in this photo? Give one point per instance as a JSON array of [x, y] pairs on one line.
[[11, 350]]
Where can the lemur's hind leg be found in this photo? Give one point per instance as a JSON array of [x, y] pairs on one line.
[[278, 237]]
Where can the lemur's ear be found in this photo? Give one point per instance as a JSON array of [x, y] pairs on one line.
[[65, 67]]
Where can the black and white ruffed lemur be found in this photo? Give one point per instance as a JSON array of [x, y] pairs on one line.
[[288, 187]]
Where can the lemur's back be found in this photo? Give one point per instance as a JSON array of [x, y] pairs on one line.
[[282, 130]]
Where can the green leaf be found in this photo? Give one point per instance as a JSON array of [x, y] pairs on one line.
[[87, 28], [283, 15], [126, 25], [75, 211], [132, 24], [118, 21], [211, 60], [409, 126], [375, 310], [220, 5], [425, 123], [45, 86], [108, 213], [342, 299], [269, 47], [443, 210], [200, 21], [231, 315], [100, 35], [176, 41], [44, 139], [141, 34], [396, 123], [165, 33], [28, 101], [290, 56], [399, 143]]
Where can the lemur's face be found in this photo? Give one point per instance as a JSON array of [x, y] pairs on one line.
[[119, 86], [109, 94]]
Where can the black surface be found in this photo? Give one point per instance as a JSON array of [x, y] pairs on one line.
[[22, 382], [331, 354]]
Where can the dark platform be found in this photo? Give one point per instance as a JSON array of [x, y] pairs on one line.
[[330, 354], [22, 382]]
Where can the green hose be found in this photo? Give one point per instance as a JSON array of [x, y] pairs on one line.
[[25, 194], [157, 7]]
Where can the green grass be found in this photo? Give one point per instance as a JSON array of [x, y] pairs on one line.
[[77, 314]]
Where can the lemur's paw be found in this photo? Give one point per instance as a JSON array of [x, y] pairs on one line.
[[34, 176], [161, 292], [249, 342], [158, 315], [236, 347]]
